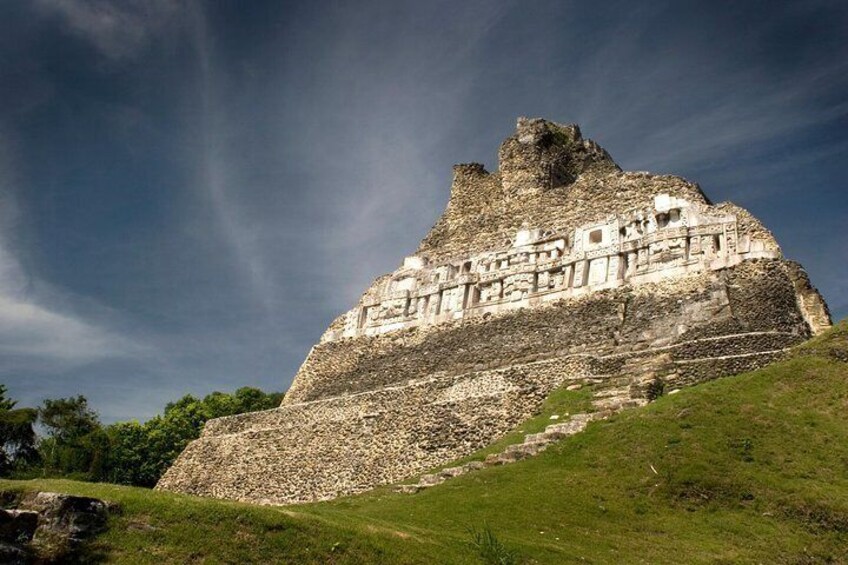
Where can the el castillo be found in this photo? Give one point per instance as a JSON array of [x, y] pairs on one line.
[[557, 270]]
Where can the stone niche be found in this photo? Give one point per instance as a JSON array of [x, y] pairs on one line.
[[557, 269]]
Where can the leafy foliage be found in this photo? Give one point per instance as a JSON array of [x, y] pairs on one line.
[[17, 437], [77, 445], [6, 403], [75, 442], [68, 419], [489, 548]]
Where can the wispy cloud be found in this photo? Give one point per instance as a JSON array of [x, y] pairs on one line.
[[390, 116], [691, 106], [42, 334], [29, 331], [38, 327], [117, 29], [749, 115], [214, 179]]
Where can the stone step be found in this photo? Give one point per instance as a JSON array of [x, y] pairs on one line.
[[526, 448], [512, 456], [613, 404], [492, 459], [634, 403], [430, 480], [560, 432], [568, 428], [608, 392], [474, 465], [541, 437], [533, 444], [408, 489], [450, 472]]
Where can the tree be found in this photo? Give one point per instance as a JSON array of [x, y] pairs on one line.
[[17, 438], [75, 442], [77, 445], [68, 419], [5, 402], [249, 399], [17, 433], [129, 455]]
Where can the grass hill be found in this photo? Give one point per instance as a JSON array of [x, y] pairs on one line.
[[747, 469]]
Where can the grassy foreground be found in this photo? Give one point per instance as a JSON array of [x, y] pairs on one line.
[[749, 469]]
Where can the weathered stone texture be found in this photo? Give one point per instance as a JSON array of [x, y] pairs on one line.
[[48, 527], [559, 269], [810, 303], [750, 297]]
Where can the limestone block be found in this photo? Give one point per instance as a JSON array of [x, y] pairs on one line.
[[598, 270]]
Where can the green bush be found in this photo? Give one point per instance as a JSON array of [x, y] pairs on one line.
[[489, 548], [78, 446]]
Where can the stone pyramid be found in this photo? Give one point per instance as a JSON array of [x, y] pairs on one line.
[[559, 269]]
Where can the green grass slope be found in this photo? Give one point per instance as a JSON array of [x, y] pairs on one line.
[[748, 469]]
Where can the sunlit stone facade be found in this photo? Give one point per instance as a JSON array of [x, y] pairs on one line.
[[672, 238]]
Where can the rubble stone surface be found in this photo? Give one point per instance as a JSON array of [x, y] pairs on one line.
[[557, 270], [48, 527]]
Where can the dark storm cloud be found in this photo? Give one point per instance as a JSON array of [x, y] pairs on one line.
[[190, 192]]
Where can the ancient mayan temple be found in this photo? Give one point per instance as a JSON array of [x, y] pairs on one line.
[[557, 269]]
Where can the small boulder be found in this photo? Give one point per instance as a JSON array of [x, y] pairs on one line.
[[48, 527], [17, 526], [74, 517]]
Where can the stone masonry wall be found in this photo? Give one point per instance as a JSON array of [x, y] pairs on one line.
[[348, 444], [397, 412], [753, 296]]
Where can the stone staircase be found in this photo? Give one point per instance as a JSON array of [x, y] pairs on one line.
[[615, 399], [630, 389], [533, 444]]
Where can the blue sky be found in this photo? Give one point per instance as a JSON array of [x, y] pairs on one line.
[[190, 192]]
